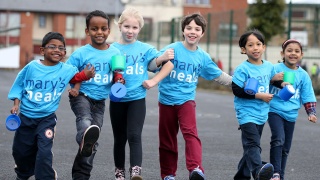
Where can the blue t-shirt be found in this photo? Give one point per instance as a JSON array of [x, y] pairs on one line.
[[180, 85], [253, 110], [303, 93], [39, 87], [138, 56], [97, 88]]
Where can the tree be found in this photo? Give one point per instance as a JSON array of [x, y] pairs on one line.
[[266, 16]]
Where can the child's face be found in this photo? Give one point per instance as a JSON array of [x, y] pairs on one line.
[[292, 55], [129, 29], [53, 52], [254, 48], [192, 33], [98, 30]]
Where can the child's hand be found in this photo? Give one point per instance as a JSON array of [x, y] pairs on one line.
[[168, 54], [312, 118], [74, 92], [266, 97], [278, 77], [14, 109], [148, 84], [284, 84], [89, 71]]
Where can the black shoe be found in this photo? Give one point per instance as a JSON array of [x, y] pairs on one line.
[[265, 173], [90, 137]]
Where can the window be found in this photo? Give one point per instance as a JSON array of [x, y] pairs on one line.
[[42, 21], [298, 14], [75, 26], [224, 31], [146, 32], [198, 2]]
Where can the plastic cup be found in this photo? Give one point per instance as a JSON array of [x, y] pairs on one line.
[[251, 86], [13, 122], [287, 92], [118, 91], [118, 63], [289, 77]]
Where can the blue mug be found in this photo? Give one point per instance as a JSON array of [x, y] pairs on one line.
[[13, 122], [118, 91], [251, 86], [287, 92]]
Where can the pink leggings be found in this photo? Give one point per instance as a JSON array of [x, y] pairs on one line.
[[170, 119]]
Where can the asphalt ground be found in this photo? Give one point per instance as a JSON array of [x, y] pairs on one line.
[[217, 128]]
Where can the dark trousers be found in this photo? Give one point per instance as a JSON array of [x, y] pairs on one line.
[[281, 139], [251, 160], [32, 145], [127, 119], [88, 112]]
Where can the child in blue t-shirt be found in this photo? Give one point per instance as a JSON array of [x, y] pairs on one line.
[[177, 106], [283, 114], [88, 104], [252, 110], [128, 115], [36, 92]]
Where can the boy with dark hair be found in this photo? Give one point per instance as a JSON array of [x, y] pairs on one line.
[[88, 102], [38, 87]]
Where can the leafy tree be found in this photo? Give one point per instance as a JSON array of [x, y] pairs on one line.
[[266, 16]]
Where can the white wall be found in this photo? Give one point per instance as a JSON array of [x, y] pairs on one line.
[[10, 57]]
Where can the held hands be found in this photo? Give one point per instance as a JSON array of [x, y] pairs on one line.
[[312, 118], [74, 92], [266, 97], [89, 71]]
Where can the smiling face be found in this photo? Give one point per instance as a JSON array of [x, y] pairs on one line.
[[53, 52], [254, 49], [98, 30], [192, 34], [292, 55], [129, 29]]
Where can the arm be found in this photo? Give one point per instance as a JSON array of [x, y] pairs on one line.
[[224, 79], [165, 70], [239, 92], [310, 108], [157, 62], [75, 90], [84, 75], [15, 108]]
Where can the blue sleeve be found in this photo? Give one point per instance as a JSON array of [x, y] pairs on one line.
[[210, 69], [18, 85]]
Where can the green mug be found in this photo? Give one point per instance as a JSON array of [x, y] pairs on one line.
[[289, 77]]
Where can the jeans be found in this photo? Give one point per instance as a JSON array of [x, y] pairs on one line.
[[251, 159], [88, 112], [127, 119], [281, 139]]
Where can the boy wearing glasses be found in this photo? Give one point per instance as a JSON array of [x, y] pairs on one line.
[[36, 93]]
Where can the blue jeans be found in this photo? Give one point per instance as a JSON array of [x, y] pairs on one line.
[[251, 159], [281, 139], [88, 112]]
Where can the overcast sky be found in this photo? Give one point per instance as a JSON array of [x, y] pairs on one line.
[[297, 1]]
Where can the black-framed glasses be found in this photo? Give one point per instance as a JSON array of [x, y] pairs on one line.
[[53, 47]]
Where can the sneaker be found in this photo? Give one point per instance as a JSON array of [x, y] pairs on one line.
[[197, 174], [170, 177], [90, 137], [276, 176], [265, 173], [135, 173], [119, 174]]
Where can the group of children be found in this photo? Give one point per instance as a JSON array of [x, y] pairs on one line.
[[39, 86]]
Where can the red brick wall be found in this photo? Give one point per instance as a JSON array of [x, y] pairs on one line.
[[26, 45], [59, 23]]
